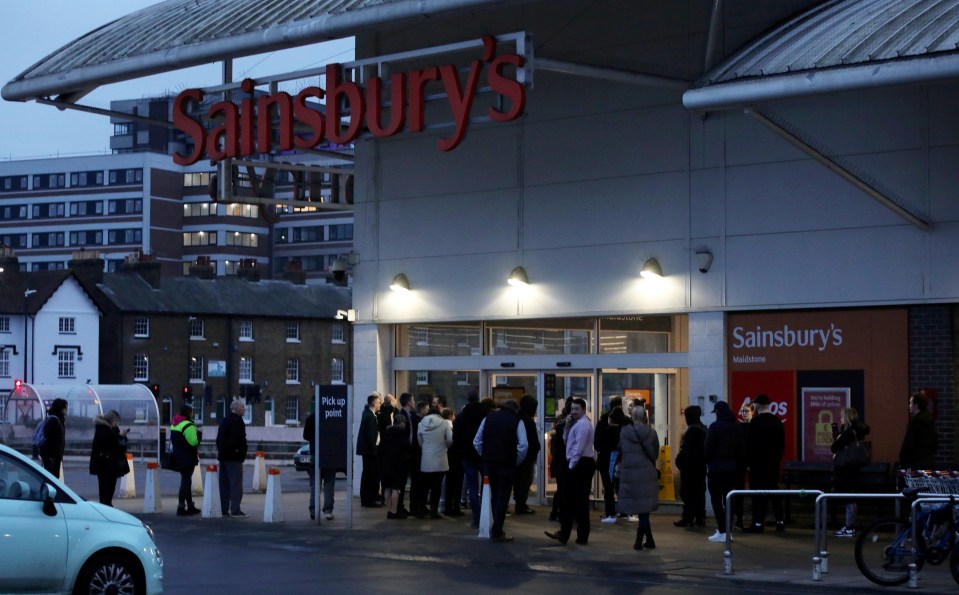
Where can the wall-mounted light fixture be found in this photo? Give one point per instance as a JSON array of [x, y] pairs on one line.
[[704, 259], [518, 277], [400, 283], [651, 269]]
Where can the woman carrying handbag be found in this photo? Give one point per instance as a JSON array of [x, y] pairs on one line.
[[848, 445]]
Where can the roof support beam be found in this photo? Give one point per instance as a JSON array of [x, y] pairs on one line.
[[64, 105], [610, 74], [839, 170], [712, 41]]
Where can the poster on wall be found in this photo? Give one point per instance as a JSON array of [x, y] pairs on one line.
[[501, 394], [780, 386], [821, 408]]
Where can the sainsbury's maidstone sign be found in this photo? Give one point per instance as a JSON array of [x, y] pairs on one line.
[[247, 128]]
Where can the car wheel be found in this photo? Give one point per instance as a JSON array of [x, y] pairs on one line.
[[112, 572]]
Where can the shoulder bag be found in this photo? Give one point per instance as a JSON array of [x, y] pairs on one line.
[[646, 452], [854, 456]]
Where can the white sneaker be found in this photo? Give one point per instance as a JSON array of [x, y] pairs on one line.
[[608, 519], [717, 537], [633, 518], [844, 532]]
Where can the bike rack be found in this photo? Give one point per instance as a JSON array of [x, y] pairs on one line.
[[820, 557], [728, 553], [923, 499]]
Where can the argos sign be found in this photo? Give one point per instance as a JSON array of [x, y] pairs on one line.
[[247, 129]]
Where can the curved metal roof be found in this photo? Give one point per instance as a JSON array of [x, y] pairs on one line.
[[835, 46], [180, 33]]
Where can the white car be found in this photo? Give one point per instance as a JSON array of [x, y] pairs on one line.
[[54, 541]]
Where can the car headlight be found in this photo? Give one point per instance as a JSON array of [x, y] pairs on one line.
[[156, 548]]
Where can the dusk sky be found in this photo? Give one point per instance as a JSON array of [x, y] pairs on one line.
[[36, 29]]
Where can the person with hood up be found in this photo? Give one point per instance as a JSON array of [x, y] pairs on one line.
[[108, 457], [691, 462], [54, 437], [724, 452], [434, 435], [464, 429]]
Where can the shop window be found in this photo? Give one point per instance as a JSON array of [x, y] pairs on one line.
[[438, 340], [568, 336]]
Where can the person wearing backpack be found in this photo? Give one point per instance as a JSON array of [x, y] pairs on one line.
[[51, 445], [184, 458]]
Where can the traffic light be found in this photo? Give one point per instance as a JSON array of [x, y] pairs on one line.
[[155, 389], [188, 392], [17, 384]]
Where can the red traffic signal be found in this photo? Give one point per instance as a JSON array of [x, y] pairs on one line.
[[17, 384]]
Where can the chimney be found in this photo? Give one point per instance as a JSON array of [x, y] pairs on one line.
[[248, 269], [143, 265], [9, 265], [202, 268], [294, 273], [87, 265]]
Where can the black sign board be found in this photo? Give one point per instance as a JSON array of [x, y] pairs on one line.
[[333, 430]]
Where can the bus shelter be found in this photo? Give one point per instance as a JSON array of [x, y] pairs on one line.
[[27, 405]]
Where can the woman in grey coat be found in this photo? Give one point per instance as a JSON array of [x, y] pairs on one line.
[[638, 480]]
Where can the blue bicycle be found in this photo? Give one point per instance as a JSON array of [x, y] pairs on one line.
[[885, 549]]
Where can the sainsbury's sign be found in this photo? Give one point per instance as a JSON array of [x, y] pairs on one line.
[[247, 129], [784, 336]]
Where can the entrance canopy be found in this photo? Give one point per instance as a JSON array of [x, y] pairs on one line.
[[27, 405]]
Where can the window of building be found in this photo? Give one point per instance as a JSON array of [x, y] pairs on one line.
[[199, 209], [293, 370], [246, 369], [43, 181], [93, 237], [125, 206], [307, 234], [66, 363], [246, 330], [338, 332], [15, 240], [86, 178], [438, 340], [196, 369], [49, 210], [196, 179], [196, 328], [238, 238], [281, 235], [11, 183], [199, 238], [4, 362], [422, 377], [241, 210], [123, 128], [341, 232], [84, 208], [53, 238], [141, 326], [13, 212], [126, 176], [292, 409], [141, 367], [4, 324], [49, 265], [68, 325], [337, 374], [292, 332], [124, 236]]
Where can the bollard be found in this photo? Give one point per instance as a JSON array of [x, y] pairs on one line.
[[151, 490], [728, 563], [211, 493], [913, 575], [196, 484], [129, 486], [273, 509], [816, 568], [486, 510], [259, 473], [825, 561]]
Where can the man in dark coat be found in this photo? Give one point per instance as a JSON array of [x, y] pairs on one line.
[[231, 450], [921, 442], [767, 443], [527, 469], [605, 442], [724, 452], [54, 437], [501, 442], [464, 430], [691, 462], [366, 443]]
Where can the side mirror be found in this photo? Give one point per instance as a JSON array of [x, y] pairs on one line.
[[49, 493]]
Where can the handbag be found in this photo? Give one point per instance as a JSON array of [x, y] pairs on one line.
[[854, 456], [659, 473]]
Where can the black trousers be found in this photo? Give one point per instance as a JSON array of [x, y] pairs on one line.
[[501, 478], [107, 484], [720, 484], [185, 493], [524, 481], [454, 485], [692, 489], [575, 505], [433, 480], [609, 493], [370, 481], [765, 478]]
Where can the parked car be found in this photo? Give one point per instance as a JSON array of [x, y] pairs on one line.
[[54, 541], [303, 459]]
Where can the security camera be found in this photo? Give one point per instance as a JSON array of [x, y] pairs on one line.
[[704, 259], [340, 270]]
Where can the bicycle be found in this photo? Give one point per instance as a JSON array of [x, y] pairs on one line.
[[885, 549]]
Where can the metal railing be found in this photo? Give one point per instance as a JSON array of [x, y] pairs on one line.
[[820, 557], [922, 499]]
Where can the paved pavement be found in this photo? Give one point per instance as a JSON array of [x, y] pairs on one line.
[[682, 555]]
